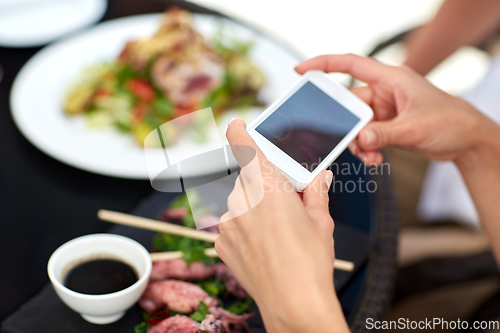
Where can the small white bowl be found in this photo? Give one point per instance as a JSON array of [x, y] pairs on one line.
[[107, 308]]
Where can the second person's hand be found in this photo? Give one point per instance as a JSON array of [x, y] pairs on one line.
[[409, 112]]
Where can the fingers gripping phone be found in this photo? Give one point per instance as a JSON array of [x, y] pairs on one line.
[[307, 128]]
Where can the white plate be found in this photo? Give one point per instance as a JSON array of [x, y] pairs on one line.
[[28, 23], [39, 90]]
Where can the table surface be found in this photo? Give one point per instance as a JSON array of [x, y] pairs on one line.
[[43, 202]]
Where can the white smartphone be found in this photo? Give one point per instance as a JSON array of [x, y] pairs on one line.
[[307, 128]]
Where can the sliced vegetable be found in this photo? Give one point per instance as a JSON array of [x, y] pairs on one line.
[[125, 73], [141, 88], [153, 120], [163, 107], [141, 131], [139, 112], [79, 100], [99, 118], [102, 93], [181, 110]]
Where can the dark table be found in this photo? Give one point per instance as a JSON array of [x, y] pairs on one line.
[[44, 203]]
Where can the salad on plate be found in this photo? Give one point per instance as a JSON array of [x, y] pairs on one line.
[[170, 74]]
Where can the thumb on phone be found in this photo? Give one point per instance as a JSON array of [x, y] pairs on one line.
[[379, 134], [315, 198]]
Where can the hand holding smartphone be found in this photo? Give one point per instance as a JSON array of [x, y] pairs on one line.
[[307, 128]]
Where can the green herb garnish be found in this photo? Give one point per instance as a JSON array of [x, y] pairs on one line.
[[214, 287], [200, 314], [240, 307], [141, 328], [163, 106], [196, 254], [126, 72]]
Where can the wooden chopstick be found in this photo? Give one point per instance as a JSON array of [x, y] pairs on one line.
[[174, 229], [170, 255], [149, 224], [341, 265]]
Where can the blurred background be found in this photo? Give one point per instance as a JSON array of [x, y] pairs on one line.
[[324, 27], [445, 268]]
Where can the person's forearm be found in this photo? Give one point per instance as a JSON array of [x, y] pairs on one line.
[[458, 23], [480, 169], [321, 322], [320, 313]]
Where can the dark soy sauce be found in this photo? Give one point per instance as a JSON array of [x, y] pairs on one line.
[[100, 276]]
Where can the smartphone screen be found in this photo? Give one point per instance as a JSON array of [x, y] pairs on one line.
[[308, 126]]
